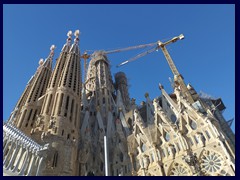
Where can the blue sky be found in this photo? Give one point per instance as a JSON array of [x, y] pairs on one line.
[[205, 58]]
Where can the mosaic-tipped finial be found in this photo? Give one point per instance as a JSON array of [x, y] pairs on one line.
[[53, 47], [41, 61], [69, 34], [160, 86], [77, 32], [68, 42]]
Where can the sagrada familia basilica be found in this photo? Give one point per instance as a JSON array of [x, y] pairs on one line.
[[62, 126]]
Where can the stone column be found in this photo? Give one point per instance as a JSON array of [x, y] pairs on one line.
[[5, 141], [39, 166], [37, 160], [8, 154], [24, 163], [20, 157], [31, 164], [34, 165], [27, 164], [6, 146], [15, 152], [55, 106], [23, 115], [46, 105]]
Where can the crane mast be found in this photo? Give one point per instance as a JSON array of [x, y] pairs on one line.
[[170, 61], [178, 79]]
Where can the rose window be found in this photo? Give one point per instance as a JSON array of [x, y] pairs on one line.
[[211, 162], [179, 170]]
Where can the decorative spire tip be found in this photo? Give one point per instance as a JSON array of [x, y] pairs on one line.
[[160, 86], [146, 95], [52, 47], [69, 34], [41, 61], [77, 32]]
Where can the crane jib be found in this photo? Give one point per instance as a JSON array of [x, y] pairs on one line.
[[131, 48]]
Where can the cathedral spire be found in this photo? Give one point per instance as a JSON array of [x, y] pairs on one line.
[[67, 45], [75, 46], [76, 33], [48, 61], [30, 104]]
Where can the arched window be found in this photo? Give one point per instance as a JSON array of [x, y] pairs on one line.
[[71, 111], [143, 147], [60, 104], [193, 124], [208, 135], [152, 157], [167, 136], [55, 158], [29, 116], [55, 130], [178, 147], [49, 104], [121, 156], [34, 116], [76, 115], [173, 118], [66, 107]]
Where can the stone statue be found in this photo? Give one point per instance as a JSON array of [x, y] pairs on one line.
[[51, 124]]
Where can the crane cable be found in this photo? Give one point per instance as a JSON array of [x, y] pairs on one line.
[[138, 56]]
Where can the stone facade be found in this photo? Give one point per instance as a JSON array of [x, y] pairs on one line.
[[59, 125], [182, 140]]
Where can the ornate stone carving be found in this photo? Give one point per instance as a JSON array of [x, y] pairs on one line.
[[52, 123], [179, 170], [191, 160]]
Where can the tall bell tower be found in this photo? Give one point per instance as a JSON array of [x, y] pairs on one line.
[[29, 104], [59, 120]]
